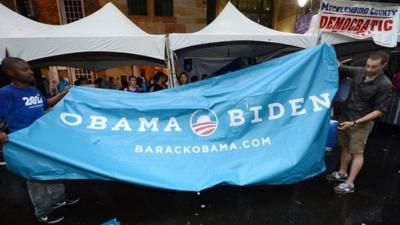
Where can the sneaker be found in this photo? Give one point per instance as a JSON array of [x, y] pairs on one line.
[[51, 219], [67, 201], [336, 176], [344, 188]]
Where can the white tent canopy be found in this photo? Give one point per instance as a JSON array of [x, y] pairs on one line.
[[233, 31], [103, 39]]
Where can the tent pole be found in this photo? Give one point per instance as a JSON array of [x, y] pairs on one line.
[[173, 68], [319, 25], [170, 63]]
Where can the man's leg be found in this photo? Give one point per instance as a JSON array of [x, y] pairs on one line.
[[345, 158], [358, 137], [56, 191], [356, 165], [44, 196]]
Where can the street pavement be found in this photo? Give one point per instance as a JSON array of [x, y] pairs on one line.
[[376, 200]]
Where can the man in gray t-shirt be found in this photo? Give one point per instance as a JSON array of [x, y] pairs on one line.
[[369, 98]]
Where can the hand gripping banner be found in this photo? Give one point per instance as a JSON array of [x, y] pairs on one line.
[[266, 124]]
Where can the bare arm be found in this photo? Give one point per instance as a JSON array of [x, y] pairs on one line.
[[3, 138], [54, 100], [349, 71], [369, 117]]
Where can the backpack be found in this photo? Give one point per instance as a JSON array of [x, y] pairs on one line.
[[343, 91]]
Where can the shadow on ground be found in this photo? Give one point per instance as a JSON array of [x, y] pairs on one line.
[[312, 202]]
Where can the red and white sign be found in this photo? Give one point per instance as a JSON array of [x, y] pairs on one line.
[[361, 20]]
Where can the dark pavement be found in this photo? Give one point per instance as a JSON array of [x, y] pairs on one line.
[[312, 202]]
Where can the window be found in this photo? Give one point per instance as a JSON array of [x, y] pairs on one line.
[[82, 73], [72, 10], [163, 8], [137, 7], [211, 10], [259, 11], [25, 8]]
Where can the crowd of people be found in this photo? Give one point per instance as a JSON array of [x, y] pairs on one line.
[[138, 84]]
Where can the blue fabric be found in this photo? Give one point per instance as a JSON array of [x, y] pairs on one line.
[[45, 195], [344, 91], [20, 107], [112, 222], [331, 141], [267, 124]]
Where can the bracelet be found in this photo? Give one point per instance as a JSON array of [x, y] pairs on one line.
[[354, 123]]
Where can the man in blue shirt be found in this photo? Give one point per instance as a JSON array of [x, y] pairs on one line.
[[62, 84], [21, 105]]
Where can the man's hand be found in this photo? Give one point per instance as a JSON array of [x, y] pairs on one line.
[[54, 100], [3, 138], [66, 89], [346, 125]]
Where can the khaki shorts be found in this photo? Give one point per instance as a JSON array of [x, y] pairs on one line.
[[355, 137]]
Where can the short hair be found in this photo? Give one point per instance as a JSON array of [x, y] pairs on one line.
[[8, 62], [382, 55], [158, 76], [194, 78]]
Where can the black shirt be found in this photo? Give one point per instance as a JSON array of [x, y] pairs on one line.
[[156, 87], [365, 96]]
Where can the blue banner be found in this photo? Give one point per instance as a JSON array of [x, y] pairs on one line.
[[266, 124]]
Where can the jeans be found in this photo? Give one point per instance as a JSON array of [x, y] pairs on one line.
[[44, 195]]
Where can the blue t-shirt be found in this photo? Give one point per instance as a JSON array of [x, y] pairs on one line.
[[61, 85], [20, 107]]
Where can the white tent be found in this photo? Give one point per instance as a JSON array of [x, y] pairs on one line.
[[232, 34], [103, 39]]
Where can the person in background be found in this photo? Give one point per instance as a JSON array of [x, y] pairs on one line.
[[110, 84], [82, 81], [77, 82], [99, 83], [396, 80], [159, 82], [46, 86], [369, 98], [134, 85], [183, 78], [124, 84], [143, 83], [194, 78], [21, 105], [62, 84], [3, 136], [53, 90]]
